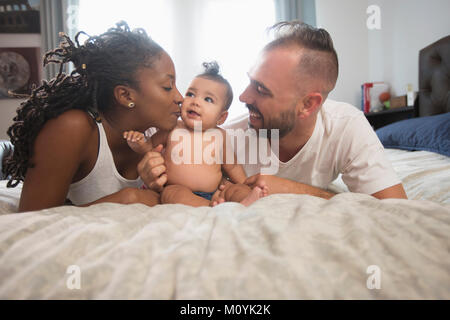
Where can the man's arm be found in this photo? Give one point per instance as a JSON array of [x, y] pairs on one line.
[[279, 185], [364, 165], [396, 191]]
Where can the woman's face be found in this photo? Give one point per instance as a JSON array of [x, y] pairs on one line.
[[158, 99]]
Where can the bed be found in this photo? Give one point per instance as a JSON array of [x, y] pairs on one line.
[[282, 247]]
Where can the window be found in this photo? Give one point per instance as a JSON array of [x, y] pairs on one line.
[[155, 16], [231, 32]]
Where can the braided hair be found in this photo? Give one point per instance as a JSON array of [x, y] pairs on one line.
[[100, 64]]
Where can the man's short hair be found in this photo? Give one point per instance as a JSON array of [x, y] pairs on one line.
[[318, 59]]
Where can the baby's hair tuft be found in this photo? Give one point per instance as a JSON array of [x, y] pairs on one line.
[[211, 68], [212, 72]]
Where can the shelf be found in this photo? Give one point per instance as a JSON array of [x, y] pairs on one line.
[[389, 111], [385, 117]]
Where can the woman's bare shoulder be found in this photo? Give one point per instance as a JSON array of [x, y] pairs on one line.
[[62, 147], [75, 127], [72, 120], [76, 123]]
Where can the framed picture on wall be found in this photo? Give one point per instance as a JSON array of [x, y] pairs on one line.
[[19, 70], [19, 16]]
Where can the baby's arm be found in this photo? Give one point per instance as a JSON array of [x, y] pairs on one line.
[[137, 141], [234, 170], [237, 191], [140, 144]]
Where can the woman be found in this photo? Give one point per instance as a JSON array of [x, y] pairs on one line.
[[68, 136]]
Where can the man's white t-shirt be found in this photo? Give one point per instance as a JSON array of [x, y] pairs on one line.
[[343, 142]]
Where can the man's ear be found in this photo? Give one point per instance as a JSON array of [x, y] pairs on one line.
[[124, 95], [222, 118], [311, 103]]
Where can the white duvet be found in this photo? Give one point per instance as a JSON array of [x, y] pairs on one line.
[[281, 247], [425, 175]]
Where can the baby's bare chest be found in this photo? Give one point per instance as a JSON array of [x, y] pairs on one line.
[[199, 148]]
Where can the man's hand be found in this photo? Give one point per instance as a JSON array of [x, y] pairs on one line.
[[273, 183], [264, 182], [152, 170], [219, 196]]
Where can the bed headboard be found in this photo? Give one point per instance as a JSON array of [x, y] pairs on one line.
[[434, 78]]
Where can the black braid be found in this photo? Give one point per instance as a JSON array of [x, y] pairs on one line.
[[101, 63]]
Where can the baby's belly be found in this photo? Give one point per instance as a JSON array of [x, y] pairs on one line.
[[196, 177]]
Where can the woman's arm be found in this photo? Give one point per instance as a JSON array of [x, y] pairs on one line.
[[129, 196], [60, 149], [65, 151]]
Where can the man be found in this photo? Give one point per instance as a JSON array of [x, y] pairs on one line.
[[318, 138]]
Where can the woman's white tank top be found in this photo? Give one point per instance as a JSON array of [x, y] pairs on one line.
[[103, 180]]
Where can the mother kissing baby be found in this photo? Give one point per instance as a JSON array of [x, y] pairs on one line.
[[194, 164]]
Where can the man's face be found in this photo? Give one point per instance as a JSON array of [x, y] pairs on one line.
[[273, 92]]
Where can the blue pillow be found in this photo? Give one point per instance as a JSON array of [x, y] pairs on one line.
[[425, 133]]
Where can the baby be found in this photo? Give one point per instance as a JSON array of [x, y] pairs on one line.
[[195, 151]]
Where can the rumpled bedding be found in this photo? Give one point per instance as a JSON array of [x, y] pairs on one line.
[[281, 247], [425, 175]]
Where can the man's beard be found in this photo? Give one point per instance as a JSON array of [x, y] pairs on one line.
[[285, 122]]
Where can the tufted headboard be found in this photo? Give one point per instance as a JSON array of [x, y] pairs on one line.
[[434, 78]]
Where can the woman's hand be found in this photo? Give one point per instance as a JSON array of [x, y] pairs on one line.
[[152, 169], [133, 195]]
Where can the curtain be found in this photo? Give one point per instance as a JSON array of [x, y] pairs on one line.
[[303, 10], [56, 16], [192, 32]]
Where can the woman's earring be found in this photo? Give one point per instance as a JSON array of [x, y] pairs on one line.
[[131, 105]]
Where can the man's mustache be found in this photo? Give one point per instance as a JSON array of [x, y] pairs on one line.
[[251, 107]]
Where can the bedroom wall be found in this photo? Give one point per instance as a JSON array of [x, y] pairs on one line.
[[345, 20], [8, 106], [408, 26], [390, 54]]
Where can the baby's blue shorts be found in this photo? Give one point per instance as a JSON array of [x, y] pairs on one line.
[[206, 195]]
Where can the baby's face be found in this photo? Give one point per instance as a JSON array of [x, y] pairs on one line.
[[204, 101]]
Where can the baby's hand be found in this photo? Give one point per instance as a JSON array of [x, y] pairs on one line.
[[137, 142]]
